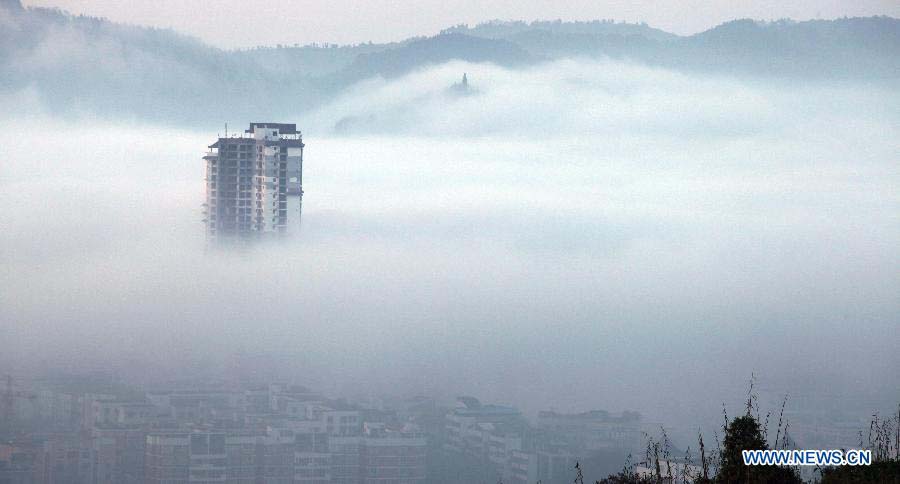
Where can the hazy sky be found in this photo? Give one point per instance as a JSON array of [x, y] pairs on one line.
[[242, 23]]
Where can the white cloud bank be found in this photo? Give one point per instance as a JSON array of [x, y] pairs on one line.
[[576, 235]]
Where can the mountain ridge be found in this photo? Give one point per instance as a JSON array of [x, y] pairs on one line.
[[79, 64]]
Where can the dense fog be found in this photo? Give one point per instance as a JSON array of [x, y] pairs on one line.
[[580, 234]]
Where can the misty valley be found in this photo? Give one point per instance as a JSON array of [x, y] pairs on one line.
[[524, 246]]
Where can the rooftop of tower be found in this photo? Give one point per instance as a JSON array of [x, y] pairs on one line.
[[283, 128]]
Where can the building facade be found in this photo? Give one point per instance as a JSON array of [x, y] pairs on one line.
[[254, 183]]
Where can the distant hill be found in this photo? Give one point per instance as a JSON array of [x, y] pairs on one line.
[[446, 47], [83, 65], [498, 29], [80, 64], [862, 48]]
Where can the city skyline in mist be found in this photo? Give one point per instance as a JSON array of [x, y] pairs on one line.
[[234, 24]]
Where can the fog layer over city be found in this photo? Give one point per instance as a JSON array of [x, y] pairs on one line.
[[576, 235]]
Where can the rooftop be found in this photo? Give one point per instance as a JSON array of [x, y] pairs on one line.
[[283, 128]]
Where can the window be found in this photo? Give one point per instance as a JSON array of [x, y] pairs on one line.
[[199, 443], [217, 444]]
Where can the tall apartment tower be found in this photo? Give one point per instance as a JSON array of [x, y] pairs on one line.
[[254, 183]]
